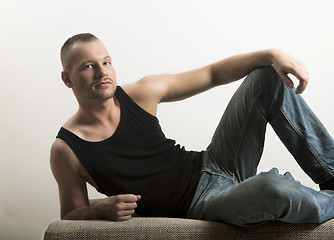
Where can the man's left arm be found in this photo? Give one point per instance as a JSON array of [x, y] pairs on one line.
[[236, 67], [183, 85], [151, 90]]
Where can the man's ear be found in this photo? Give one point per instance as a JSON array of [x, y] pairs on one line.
[[66, 79]]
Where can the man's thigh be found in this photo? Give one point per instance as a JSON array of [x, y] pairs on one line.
[[238, 141]]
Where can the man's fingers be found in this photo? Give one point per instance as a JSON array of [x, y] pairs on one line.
[[286, 79], [285, 64], [124, 215], [303, 78], [128, 198], [128, 212], [126, 204], [119, 207], [301, 87]]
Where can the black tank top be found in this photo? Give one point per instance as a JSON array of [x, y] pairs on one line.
[[139, 159]]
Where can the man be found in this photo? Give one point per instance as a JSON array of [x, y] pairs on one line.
[[114, 142]]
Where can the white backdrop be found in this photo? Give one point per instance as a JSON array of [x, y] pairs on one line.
[[143, 37]]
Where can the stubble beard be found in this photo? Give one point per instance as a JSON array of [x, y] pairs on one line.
[[104, 96]]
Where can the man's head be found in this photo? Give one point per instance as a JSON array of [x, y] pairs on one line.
[[87, 68], [66, 50]]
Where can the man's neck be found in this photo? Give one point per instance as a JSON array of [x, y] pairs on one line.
[[96, 122], [99, 113]]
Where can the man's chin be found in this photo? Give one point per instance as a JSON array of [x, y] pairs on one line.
[[102, 98], [106, 98]]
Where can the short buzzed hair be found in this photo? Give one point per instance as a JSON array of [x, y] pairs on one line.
[[66, 48]]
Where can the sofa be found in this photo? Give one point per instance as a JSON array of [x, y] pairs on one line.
[[176, 228]]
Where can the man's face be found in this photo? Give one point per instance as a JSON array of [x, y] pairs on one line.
[[91, 76]]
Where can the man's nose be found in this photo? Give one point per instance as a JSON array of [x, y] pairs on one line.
[[101, 72]]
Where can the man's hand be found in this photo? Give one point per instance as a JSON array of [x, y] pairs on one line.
[[117, 208], [285, 64]]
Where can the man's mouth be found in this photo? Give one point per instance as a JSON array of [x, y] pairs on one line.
[[103, 83]]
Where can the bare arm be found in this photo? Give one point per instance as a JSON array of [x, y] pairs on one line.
[[74, 202], [234, 68], [154, 89]]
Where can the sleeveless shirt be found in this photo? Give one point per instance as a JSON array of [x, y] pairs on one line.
[[139, 159]]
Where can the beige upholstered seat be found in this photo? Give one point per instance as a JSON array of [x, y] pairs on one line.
[[174, 228]]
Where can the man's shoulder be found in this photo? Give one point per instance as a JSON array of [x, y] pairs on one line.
[[131, 89], [144, 95], [62, 156], [60, 149], [65, 166], [141, 87]]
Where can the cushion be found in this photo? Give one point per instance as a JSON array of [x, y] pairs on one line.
[[175, 228]]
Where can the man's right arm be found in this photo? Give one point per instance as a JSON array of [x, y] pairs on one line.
[[74, 202]]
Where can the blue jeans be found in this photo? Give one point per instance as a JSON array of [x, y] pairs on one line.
[[229, 189]]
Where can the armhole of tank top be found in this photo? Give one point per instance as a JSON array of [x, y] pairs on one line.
[[65, 135]]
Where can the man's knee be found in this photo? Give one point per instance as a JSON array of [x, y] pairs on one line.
[[272, 183], [260, 198], [287, 196], [257, 199], [264, 72], [266, 77], [276, 192]]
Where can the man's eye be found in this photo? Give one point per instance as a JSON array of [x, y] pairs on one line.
[[88, 66], [107, 63]]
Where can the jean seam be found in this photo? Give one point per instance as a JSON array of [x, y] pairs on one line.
[[224, 175], [203, 195], [307, 144], [255, 98]]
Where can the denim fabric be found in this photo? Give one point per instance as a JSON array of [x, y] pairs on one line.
[[229, 191]]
